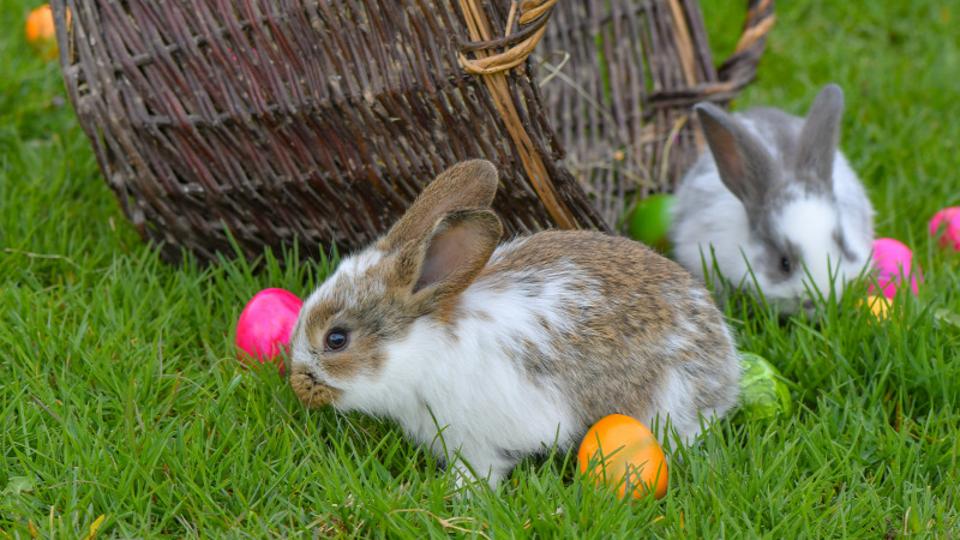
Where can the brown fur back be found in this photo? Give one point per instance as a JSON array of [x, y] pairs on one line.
[[614, 359]]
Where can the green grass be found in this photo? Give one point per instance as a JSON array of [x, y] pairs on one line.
[[120, 395]]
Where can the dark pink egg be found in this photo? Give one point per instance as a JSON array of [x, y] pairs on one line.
[[893, 261], [266, 323], [946, 225]]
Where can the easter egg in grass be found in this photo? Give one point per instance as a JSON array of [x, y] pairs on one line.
[[878, 305], [623, 454], [945, 227], [894, 265], [649, 221], [265, 324], [763, 393], [40, 31]]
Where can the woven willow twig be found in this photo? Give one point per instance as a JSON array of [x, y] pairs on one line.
[[536, 14], [633, 71], [268, 121], [492, 66]]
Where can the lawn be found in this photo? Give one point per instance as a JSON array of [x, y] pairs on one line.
[[120, 396]]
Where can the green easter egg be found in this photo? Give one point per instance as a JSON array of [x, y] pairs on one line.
[[763, 394], [649, 222]]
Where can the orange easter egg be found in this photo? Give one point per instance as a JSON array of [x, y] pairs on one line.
[[622, 453], [40, 32]]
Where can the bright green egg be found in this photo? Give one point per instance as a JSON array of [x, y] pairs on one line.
[[763, 393], [649, 221]]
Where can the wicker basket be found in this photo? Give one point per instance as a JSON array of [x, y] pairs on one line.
[[320, 120]]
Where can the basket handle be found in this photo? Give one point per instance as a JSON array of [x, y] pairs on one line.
[[741, 67], [531, 17]]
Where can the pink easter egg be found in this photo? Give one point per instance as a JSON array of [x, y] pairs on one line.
[[266, 323], [893, 261], [946, 225]]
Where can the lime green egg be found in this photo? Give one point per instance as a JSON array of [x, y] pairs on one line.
[[649, 221], [763, 393]]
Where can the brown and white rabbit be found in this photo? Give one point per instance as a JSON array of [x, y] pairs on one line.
[[508, 350]]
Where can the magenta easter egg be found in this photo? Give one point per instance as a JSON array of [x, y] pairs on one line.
[[946, 225], [266, 323], [893, 261]]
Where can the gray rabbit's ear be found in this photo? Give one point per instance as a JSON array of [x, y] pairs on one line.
[[746, 167], [820, 138]]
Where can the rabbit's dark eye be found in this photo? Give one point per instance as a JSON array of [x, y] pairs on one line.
[[785, 265], [336, 339]]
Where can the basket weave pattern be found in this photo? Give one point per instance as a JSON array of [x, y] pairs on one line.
[[619, 81], [320, 120]]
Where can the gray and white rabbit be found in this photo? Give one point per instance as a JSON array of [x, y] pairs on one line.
[[775, 195], [508, 349]]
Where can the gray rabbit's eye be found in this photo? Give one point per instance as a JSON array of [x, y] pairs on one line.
[[337, 339], [785, 265]]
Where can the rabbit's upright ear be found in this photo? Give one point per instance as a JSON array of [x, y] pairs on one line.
[[821, 137], [469, 184], [746, 167]]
